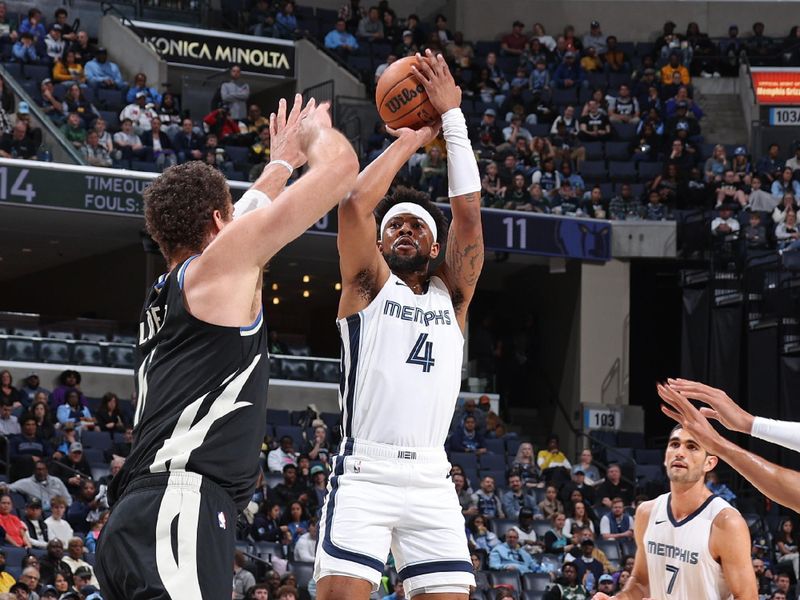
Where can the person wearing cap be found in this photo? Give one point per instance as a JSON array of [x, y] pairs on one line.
[[605, 584], [526, 532], [103, 73], [139, 113], [30, 387], [407, 46], [72, 468], [569, 74], [34, 521], [54, 43], [585, 562], [514, 43], [49, 592], [24, 49], [74, 559], [595, 39], [140, 85], [680, 98], [568, 586]]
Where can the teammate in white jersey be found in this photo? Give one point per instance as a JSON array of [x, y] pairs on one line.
[[401, 324], [690, 544]]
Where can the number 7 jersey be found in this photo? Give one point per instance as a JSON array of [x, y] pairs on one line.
[[401, 366]]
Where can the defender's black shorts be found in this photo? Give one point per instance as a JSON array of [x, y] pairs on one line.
[[170, 537]]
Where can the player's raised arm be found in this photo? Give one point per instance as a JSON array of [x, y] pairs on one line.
[[464, 252], [360, 260], [731, 543], [638, 586]]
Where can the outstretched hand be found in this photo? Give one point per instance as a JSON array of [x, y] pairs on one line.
[[434, 74], [722, 408], [422, 136], [680, 409], [285, 140]]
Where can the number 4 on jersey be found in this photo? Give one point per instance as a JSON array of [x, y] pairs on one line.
[[422, 353]]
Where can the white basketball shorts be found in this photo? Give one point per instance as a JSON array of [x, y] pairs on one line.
[[383, 498]]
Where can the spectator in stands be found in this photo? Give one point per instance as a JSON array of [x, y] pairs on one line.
[[514, 43], [34, 25], [220, 123], [48, 102], [568, 586], [109, 416], [730, 192], [674, 65], [370, 27], [552, 457], [794, 162], [75, 102], [759, 200], [716, 164], [41, 485], [526, 532], [460, 52], [261, 20], [467, 438], [319, 446], [61, 17], [159, 146], [140, 113], [480, 535], [468, 408], [624, 108], [40, 411], [53, 563], [8, 26], [578, 484], [85, 509], [74, 559], [595, 38], [539, 33], [585, 461], [515, 498], [555, 542], [58, 528], [407, 45], [188, 144], [786, 232], [127, 143], [286, 21], [243, 579], [720, 489], [577, 520], [24, 49], [37, 530], [84, 51], [9, 425], [54, 43], [103, 73], [594, 126], [283, 455], [617, 525], [569, 74], [786, 545], [616, 61], [27, 448], [655, 210], [72, 410], [785, 184], [295, 521], [517, 198], [524, 463], [487, 500], [468, 508], [140, 85], [548, 179], [266, 523], [614, 487], [93, 535], [16, 532], [509, 556], [434, 172], [18, 144], [235, 94], [591, 62], [291, 488], [551, 504], [384, 65], [72, 469], [681, 97], [770, 165], [67, 70], [623, 206], [586, 563]]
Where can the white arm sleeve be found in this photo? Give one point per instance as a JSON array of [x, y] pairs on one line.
[[251, 200], [783, 433], [462, 168]]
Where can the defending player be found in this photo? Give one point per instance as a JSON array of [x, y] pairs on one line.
[[203, 368], [401, 325], [689, 543]]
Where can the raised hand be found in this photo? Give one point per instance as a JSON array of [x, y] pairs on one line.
[[284, 131], [722, 408], [434, 74], [422, 136], [680, 409]]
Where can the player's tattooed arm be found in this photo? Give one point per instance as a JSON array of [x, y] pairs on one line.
[[464, 254]]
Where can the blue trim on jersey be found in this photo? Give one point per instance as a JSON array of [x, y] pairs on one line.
[[441, 566], [182, 271], [255, 323], [354, 333], [327, 544], [161, 282], [700, 509]]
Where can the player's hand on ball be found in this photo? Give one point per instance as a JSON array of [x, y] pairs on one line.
[[422, 136], [433, 73], [284, 131]]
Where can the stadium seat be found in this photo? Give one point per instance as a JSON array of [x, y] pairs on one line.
[[36, 72], [618, 151], [512, 446], [535, 582], [649, 457], [110, 99], [326, 372], [295, 369], [483, 48], [493, 461], [593, 170], [620, 455], [617, 79], [506, 578], [496, 446], [121, 356], [60, 335], [303, 572], [650, 170], [331, 420], [267, 550], [465, 460], [95, 457], [551, 562], [237, 154], [84, 353], [631, 439], [26, 332], [610, 548], [624, 131], [541, 527], [540, 129], [628, 548], [607, 189], [619, 170], [596, 80], [594, 150], [14, 69], [100, 440], [16, 349], [278, 417], [243, 546], [111, 118], [564, 97], [499, 475], [649, 473], [293, 431], [52, 351], [98, 472], [501, 526]]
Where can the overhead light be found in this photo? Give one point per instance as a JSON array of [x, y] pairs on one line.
[[306, 278], [55, 242], [276, 300], [306, 294], [274, 287], [27, 250], [337, 286]]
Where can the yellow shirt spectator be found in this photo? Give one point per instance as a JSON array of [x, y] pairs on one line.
[[668, 70]]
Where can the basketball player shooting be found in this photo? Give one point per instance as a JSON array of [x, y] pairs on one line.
[[203, 367], [689, 542], [401, 324]]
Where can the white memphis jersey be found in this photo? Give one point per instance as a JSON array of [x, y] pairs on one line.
[[679, 562], [401, 366]]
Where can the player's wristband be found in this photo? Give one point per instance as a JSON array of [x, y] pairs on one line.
[[282, 163], [250, 200], [462, 168]]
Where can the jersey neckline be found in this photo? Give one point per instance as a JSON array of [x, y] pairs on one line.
[[691, 516]]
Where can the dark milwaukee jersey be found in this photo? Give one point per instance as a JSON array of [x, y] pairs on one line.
[[202, 395]]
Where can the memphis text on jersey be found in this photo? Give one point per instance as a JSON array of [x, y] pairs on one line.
[[670, 551], [417, 315]]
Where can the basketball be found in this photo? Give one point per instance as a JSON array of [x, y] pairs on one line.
[[401, 99]]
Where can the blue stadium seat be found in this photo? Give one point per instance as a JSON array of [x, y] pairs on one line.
[[644, 48], [594, 150], [293, 431], [649, 473], [617, 79], [533, 594], [98, 471], [111, 118], [120, 356], [541, 527], [60, 335], [267, 550], [36, 72], [496, 446], [326, 372], [493, 461], [278, 417], [628, 548], [540, 129], [465, 460], [499, 475], [631, 439], [26, 332], [610, 548], [501, 526], [650, 170], [510, 578], [619, 170], [624, 131], [563, 97], [110, 99], [618, 151], [331, 420], [53, 351], [593, 170], [597, 80], [303, 572], [237, 154], [14, 69], [483, 48], [649, 457], [16, 349], [95, 457], [607, 189], [619, 455], [87, 353], [101, 440], [535, 582], [512, 446]]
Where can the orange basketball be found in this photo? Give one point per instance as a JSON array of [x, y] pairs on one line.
[[401, 99]]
